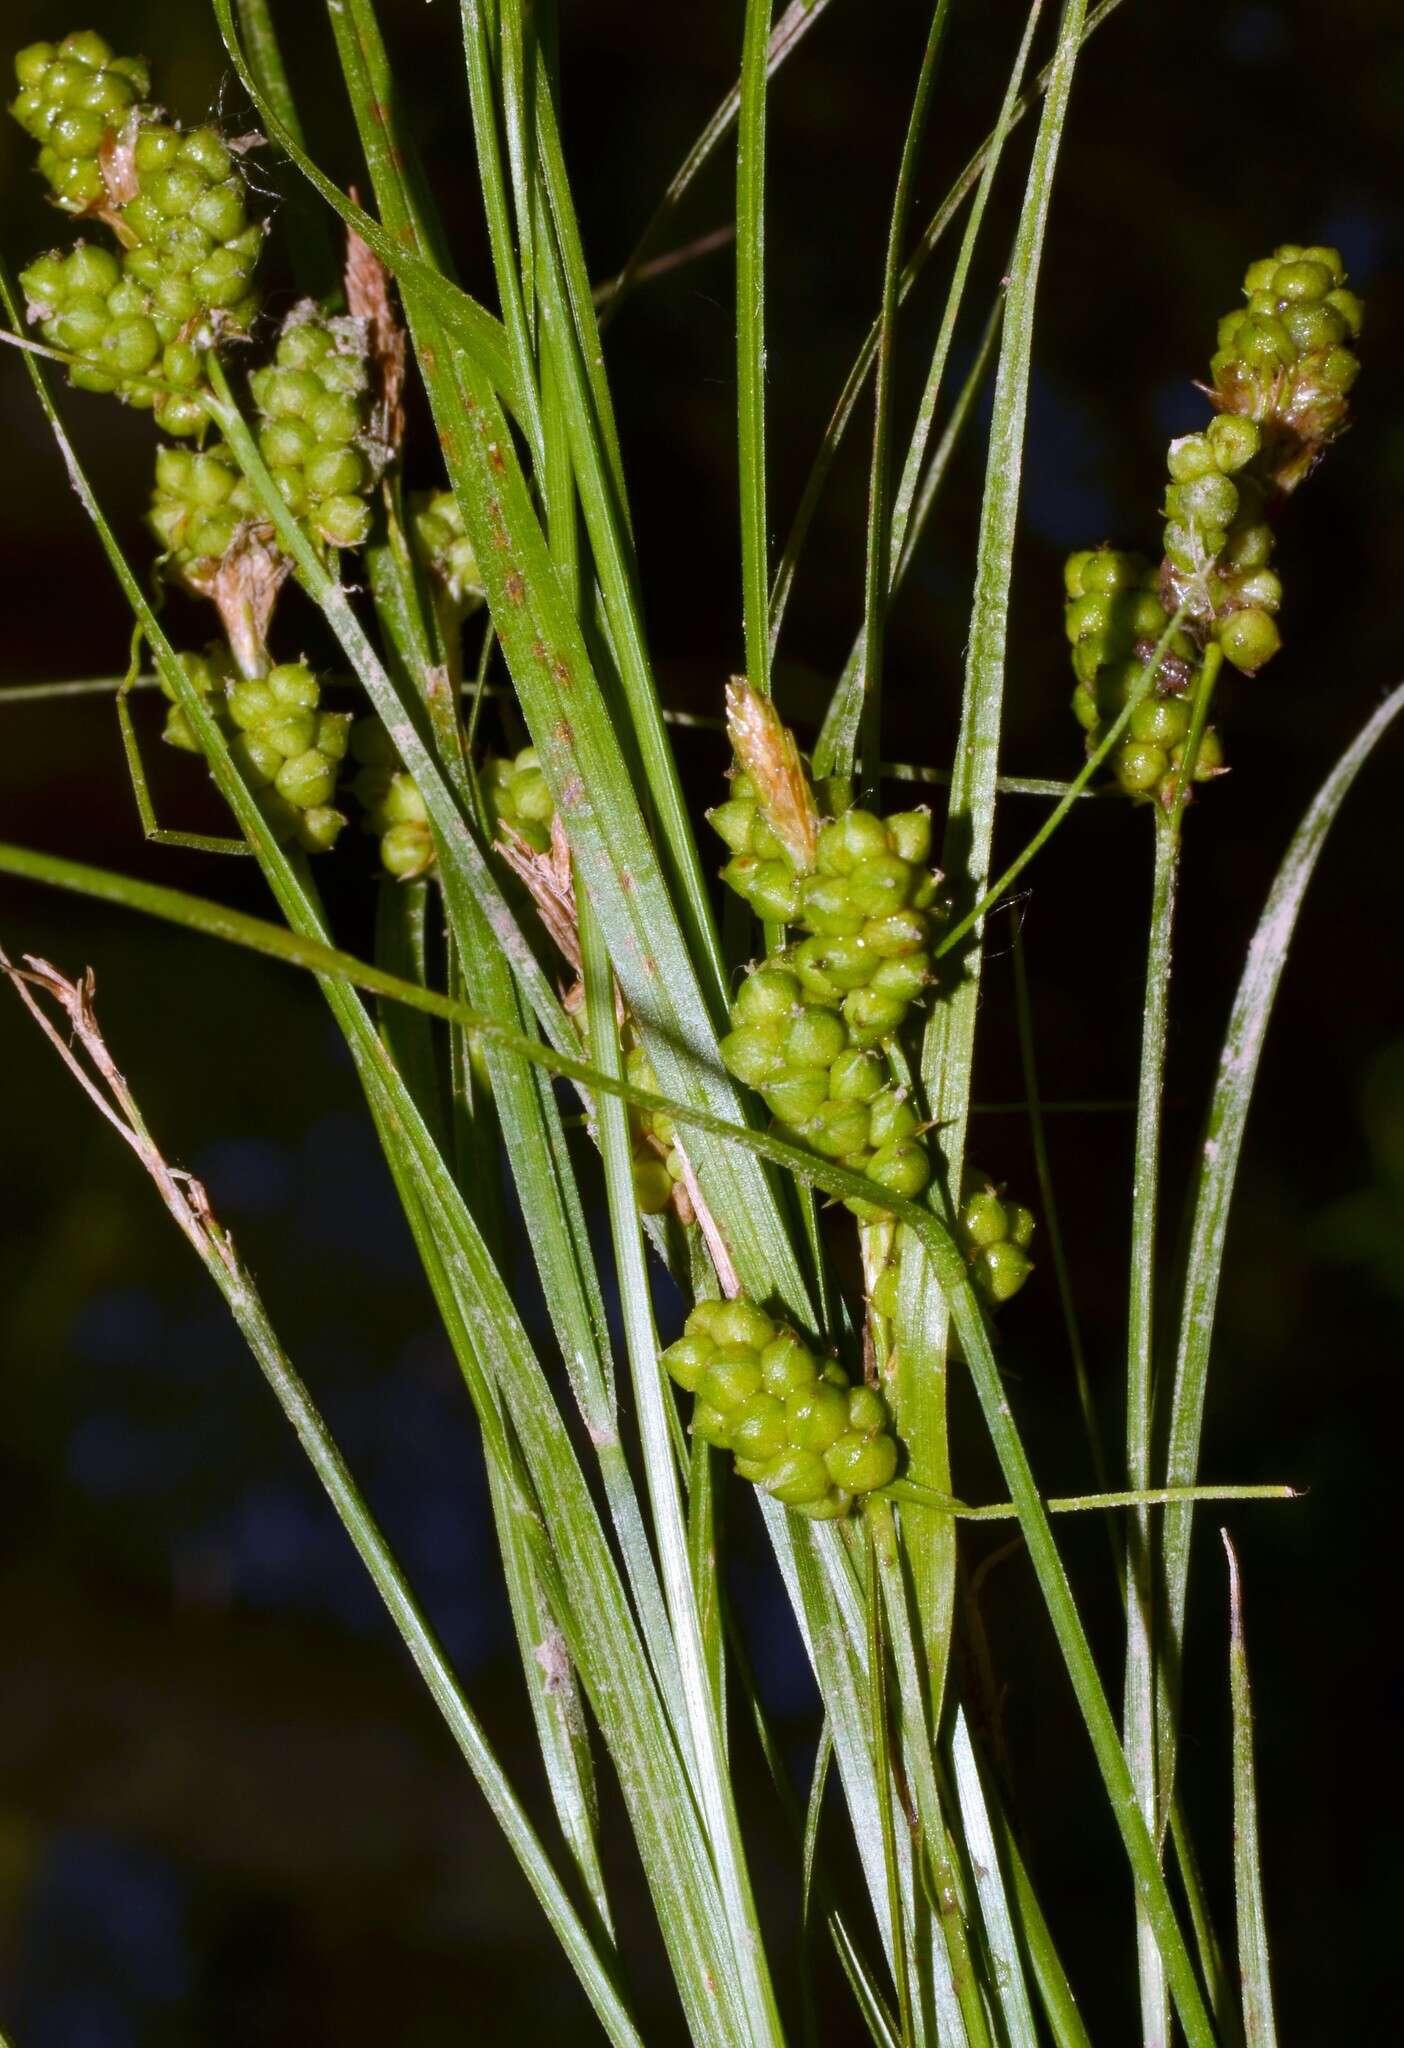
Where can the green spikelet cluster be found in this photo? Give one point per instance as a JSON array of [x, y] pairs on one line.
[[393, 809], [1281, 380], [212, 674], [791, 1420], [821, 1082], [807, 1026], [866, 910], [518, 795], [1114, 619], [447, 550], [760, 869], [1218, 543], [84, 302], [1285, 360], [290, 750], [177, 202], [74, 98], [314, 404], [194, 247], [200, 502]]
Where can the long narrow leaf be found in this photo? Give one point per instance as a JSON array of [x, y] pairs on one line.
[[948, 1048], [1259, 2021], [1222, 1148], [1009, 1990], [221, 1260], [477, 1308]]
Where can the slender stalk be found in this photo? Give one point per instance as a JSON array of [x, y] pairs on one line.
[[750, 341], [1138, 1714], [1053, 1229], [1259, 2021], [931, 237], [798, 18], [882, 1767], [1221, 1151], [188, 1206], [948, 1045], [878, 570]]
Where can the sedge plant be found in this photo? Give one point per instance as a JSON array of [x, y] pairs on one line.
[[775, 1107]]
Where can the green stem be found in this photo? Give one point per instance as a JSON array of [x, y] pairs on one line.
[[878, 572], [882, 1768], [750, 340], [1259, 2022], [1071, 792], [920, 1495], [1139, 1706]]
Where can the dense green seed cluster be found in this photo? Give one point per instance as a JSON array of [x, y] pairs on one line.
[[807, 1026], [1285, 361], [447, 550], [1114, 620], [138, 321], [200, 503], [866, 909], [74, 98], [290, 750], [191, 242], [760, 869], [394, 811], [314, 402], [1282, 375], [792, 1421], [518, 795], [85, 303], [211, 673], [824, 1082], [1218, 544]]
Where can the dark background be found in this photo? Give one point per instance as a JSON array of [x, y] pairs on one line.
[[227, 1812]]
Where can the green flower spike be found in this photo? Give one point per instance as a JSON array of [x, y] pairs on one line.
[[824, 1081], [200, 504], [74, 99], [791, 1420], [189, 241], [290, 751], [1286, 360], [84, 302], [394, 809], [1114, 620], [314, 401], [658, 1164]]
